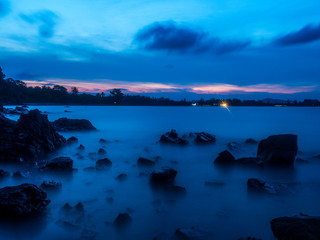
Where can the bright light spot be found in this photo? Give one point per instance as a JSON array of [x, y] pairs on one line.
[[223, 104], [194, 104]]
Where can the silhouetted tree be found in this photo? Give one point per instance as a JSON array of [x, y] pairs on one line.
[[116, 95], [74, 91], [2, 75]]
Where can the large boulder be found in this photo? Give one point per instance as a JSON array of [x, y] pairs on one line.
[[173, 138], [203, 137], [296, 228], [22, 200], [30, 138], [103, 163], [163, 175], [144, 162], [278, 150], [64, 164], [225, 158], [65, 124]]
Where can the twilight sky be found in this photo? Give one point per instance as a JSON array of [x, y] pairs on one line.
[[172, 48]]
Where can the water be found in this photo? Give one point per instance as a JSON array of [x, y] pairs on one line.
[[226, 212]]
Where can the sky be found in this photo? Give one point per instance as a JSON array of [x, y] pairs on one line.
[[178, 48]]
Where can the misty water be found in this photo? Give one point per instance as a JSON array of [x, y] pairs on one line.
[[227, 211]]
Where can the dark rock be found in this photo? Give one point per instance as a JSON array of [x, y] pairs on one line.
[[122, 220], [250, 161], [30, 138], [103, 140], [122, 177], [101, 151], [22, 200], [59, 164], [51, 185], [203, 137], [89, 169], [189, 234], [225, 158], [65, 124], [145, 162], [4, 174], [110, 200], [172, 137], [72, 140], [251, 141], [260, 186], [278, 150], [164, 175], [81, 147], [21, 174], [296, 228], [102, 164], [233, 146]]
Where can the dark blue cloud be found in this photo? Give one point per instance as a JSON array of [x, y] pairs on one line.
[[4, 8], [46, 21], [171, 37], [309, 33]]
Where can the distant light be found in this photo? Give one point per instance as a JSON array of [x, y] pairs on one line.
[[194, 104], [223, 104]]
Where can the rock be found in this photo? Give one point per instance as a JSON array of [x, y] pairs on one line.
[[51, 185], [102, 164], [189, 234], [65, 124], [81, 147], [225, 158], [122, 177], [72, 140], [59, 164], [110, 200], [203, 137], [278, 150], [296, 228], [172, 137], [4, 174], [163, 175], [251, 141], [250, 161], [233, 146], [145, 162], [72, 217], [122, 220], [257, 185], [22, 200], [89, 169], [30, 138], [103, 140], [21, 174], [101, 151], [176, 190]]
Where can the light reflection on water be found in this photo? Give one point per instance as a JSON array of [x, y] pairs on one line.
[[226, 212]]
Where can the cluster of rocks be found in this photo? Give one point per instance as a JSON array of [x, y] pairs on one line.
[[200, 138]]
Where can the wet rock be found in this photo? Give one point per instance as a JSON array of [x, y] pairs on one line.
[[101, 151], [233, 146], [51, 185], [225, 158], [21, 174], [122, 220], [65, 124], [204, 138], [163, 175], [102, 164], [4, 174], [58, 164], [173, 138], [72, 140], [278, 150], [81, 147], [296, 228], [260, 186], [28, 139], [189, 234], [122, 177], [22, 200], [144, 162], [103, 140], [251, 141]]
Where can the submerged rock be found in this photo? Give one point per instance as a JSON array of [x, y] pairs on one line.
[[296, 228], [203, 137], [4, 174], [21, 174], [122, 220], [190, 234], [257, 185], [102, 164], [251, 141], [172, 137], [163, 175], [22, 200], [59, 164], [250, 161], [72, 140], [101, 151], [225, 158], [144, 162], [278, 150], [51, 185], [233, 146], [122, 177], [30, 138], [65, 124], [81, 147]]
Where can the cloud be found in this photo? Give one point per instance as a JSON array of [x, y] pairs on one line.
[[309, 33], [171, 37], [46, 21], [4, 8]]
